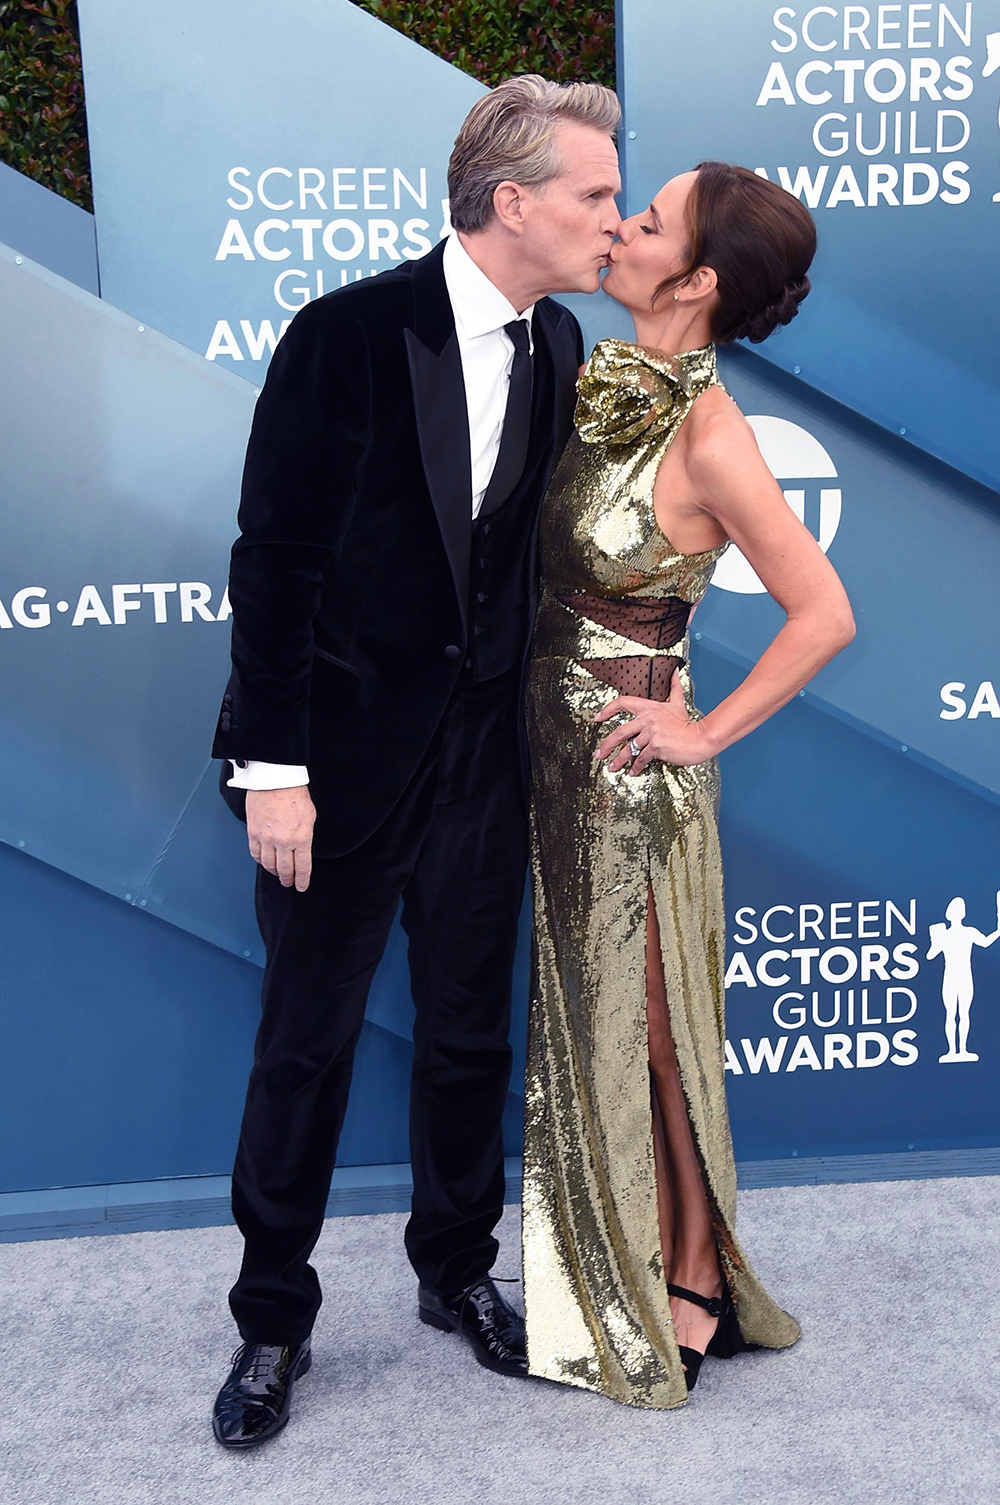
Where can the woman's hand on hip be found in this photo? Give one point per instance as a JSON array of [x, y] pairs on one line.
[[661, 729]]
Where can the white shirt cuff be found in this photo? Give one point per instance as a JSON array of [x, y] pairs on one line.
[[268, 776]]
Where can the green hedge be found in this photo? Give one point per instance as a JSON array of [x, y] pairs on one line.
[[43, 125], [563, 39]]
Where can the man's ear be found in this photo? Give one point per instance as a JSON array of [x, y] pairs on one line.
[[508, 205]]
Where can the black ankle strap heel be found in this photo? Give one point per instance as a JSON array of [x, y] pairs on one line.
[[713, 1305], [727, 1338]]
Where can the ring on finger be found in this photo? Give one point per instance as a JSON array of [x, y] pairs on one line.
[[634, 747]]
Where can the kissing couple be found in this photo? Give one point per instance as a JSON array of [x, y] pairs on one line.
[[461, 593]]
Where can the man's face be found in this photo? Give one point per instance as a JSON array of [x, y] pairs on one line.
[[571, 221]]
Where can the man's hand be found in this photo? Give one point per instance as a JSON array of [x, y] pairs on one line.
[[279, 829]]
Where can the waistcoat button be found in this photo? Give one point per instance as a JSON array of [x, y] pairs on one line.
[[451, 651]]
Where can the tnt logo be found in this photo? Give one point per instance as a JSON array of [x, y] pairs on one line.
[[791, 454]]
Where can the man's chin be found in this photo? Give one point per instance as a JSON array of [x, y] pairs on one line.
[[588, 282]]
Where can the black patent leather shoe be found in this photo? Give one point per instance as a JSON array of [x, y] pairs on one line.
[[494, 1330], [256, 1399]]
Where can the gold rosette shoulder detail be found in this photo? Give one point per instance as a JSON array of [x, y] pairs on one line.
[[629, 392]]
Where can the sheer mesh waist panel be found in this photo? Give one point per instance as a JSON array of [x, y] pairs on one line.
[[655, 624]]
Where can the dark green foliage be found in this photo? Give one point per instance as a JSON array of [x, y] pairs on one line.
[[562, 39], [43, 126]]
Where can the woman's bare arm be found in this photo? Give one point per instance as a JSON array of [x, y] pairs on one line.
[[728, 470], [727, 474]]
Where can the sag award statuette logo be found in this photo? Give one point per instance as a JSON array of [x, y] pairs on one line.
[[991, 66], [954, 941]]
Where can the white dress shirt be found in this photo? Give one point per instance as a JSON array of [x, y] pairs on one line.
[[487, 354]]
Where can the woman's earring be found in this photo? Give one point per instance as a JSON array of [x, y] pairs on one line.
[[675, 297]]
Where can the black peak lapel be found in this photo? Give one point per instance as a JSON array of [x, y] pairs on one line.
[[557, 332], [442, 414], [433, 319]]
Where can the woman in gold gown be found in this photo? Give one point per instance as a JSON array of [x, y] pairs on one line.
[[632, 1265]]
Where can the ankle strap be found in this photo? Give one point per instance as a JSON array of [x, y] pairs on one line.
[[713, 1305]]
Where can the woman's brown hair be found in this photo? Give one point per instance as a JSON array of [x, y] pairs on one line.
[[758, 239]]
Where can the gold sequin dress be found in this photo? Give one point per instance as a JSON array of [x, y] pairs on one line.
[[612, 620]]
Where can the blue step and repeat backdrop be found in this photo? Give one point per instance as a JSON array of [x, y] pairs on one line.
[[249, 156]]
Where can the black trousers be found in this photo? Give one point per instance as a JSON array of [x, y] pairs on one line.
[[455, 851]]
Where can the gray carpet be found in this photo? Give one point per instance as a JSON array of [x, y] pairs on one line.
[[114, 1347]]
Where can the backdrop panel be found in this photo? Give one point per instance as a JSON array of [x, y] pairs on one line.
[[127, 1043], [247, 156], [860, 824], [49, 229], [883, 118], [113, 578], [221, 210], [854, 818], [918, 546]]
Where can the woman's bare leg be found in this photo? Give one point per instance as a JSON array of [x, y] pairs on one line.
[[690, 1256]]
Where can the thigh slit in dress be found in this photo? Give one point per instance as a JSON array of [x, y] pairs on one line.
[[609, 852]]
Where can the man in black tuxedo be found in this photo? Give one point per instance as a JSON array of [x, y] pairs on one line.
[[383, 590]]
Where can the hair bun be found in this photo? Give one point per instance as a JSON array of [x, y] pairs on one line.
[[781, 311]]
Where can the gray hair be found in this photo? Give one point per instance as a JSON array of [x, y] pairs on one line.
[[510, 134]]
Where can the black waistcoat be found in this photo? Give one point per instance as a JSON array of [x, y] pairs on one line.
[[503, 550]]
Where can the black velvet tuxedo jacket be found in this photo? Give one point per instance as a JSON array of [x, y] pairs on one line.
[[349, 582]]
